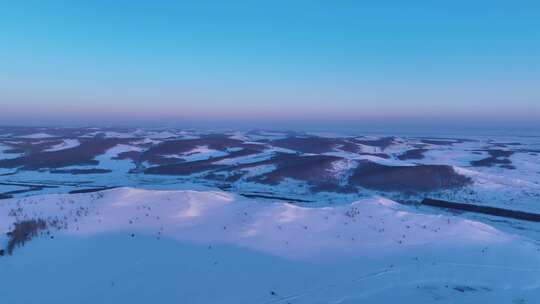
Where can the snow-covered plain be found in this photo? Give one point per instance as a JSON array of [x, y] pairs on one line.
[[239, 222]]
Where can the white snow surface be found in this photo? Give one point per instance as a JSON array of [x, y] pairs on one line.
[[137, 245], [37, 136], [66, 144], [378, 224], [198, 153]]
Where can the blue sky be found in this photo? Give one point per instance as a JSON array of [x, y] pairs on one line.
[[272, 61]]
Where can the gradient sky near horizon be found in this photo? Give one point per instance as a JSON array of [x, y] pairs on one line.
[[65, 62]]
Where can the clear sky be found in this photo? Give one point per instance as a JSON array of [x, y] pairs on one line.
[[129, 61]]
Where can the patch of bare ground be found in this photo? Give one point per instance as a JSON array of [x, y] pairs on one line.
[[315, 169], [81, 171], [187, 168], [219, 142], [402, 178], [439, 142], [83, 154], [496, 157], [412, 154], [311, 144], [382, 143], [30, 146], [55, 132], [380, 155]]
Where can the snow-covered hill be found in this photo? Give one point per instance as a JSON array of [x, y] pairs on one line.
[[139, 246]]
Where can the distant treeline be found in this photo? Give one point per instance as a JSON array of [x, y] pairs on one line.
[[520, 215]]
